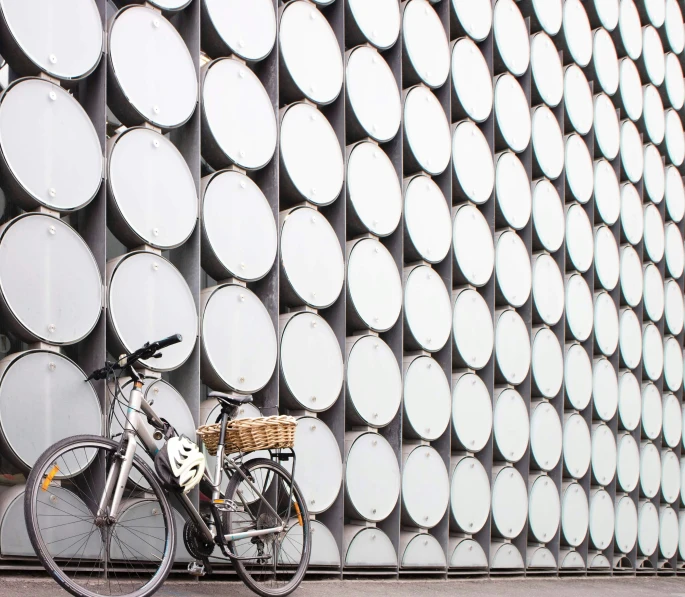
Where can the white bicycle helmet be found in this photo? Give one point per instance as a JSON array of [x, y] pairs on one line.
[[180, 464]]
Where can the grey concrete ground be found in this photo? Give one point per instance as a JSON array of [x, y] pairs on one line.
[[569, 587]]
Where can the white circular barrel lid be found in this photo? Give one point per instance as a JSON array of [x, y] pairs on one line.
[[49, 145], [674, 26], [656, 11], [577, 446], [471, 413], [426, 129], [547, 363], [632, 216], [374, 188], [472, 162], [512, 267], [653, 53], [468, 554], [548, 216], [675, 254], [653, 292], [428, 219], [374, 285], [423, 551], [607, 12], [509, 502], [373, 94], [471, 79], [603, 455], [604, 388], [374, 381], [601, 519], [652, 411], [549, 14], [544, 509], [675, 86], [626, 524], [511, 425], [670, 476], [579, 168], [578, 99], [631, 276], [152, 66], [578, 377], [675, 194], [513, 192], [652, 352], [575, 514], [427, 400], [632, 157], [310, 52], [653, 114], [505, 556], [311, 361], [372, 476], [681, 540], [548, 143], [545, 436], [379, 22], [630, 338], [427, 308], [675, 138], [607, 260], [469, 495], [630, 401], [239, 226], [647, 529], [473, 330], [548, 289], [627, 463], [311, 257], [238, 339], [311, 154], [672, 426], [49, 280], [153, 189], [370, 547], [325, 551], [673, 364], [630, 88], [248, 28], [474, 250], [674, 308], [511, 36], [512, 347], [577, 32], [607, 131], [654, 174], [475, 17], [650, 469], [579, 307], [511, 111], [630, 28], [668, 532], [41, 391], [548, 75], [605, 60], [425, 42], [238, 113]]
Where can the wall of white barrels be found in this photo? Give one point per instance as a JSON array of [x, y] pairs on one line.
[[446, 235]]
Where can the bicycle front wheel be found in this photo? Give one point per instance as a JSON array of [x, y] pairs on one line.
[[128, 555]]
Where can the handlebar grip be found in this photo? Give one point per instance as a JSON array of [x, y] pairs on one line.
[[170, 341]]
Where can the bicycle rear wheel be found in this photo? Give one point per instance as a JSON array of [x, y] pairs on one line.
[[280, 560], [91, 556]]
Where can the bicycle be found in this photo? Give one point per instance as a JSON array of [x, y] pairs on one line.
[[101, 522]]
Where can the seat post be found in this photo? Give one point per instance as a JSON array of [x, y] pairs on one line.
[[218, 466]]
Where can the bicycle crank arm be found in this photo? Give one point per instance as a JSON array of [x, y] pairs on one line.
[[255, 533]]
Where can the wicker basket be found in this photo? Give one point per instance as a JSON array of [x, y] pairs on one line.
[[249, 435]]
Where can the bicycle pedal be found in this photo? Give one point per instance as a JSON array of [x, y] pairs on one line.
[[226, 505], [196, 569]]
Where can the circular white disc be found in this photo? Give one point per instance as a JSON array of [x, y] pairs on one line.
[[575, 514], [630, 88], [652, 352], [472, 80], [153, 66], [603, 455], [310, 52], [630, 401], [675, 194], [648, 529], [630, 338], [472, 161], [548, 75], [655, 180], [512, 268], [632, 216], [427, 401], [579, 238], [675, 32], [548, 216], [577, 32], [579, 307], [428, 220], [509, 502], [511, 36], [601, 519], [606, 324], [607, 132], [607, 11], [675, 138], [49, 145], [373, 95], [548, 289], [632, 156], [311, 361], [545, 436], [653, 54], [670, 476], [668, 532], [630, 29], [512, 112], [142, 279], [578, 377], [681, 541], [675, 86], [512, 189], [471, 413], [577, 446], [544, 509], [473, 329], [424, 468], [374, 285], [675, 254], [673, 425], [578, 99], [427, 308], [379, 22], [511, 426], [627, 463], [238, 339], [374, 189], [656, 11], [474, 250], [512, 347], [468, 552], [607, 263], [653, 293], [674, 308], [425, 42], [549, 14], [579, 169], [310, 153], [650, 470], [605, 61], [626, 524], [470, 495], [547, 363], [604, 388], [652, 411], [653, 114], [374, 381], [475, 16], [548, 143], [426, 129], [311, 257]]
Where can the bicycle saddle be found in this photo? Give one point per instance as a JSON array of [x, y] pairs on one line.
[[231, 399]]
